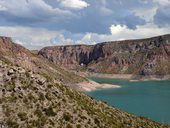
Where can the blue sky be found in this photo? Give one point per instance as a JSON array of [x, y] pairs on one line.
[[39, 23]]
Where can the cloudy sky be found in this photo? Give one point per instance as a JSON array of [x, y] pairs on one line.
[[39, 23]]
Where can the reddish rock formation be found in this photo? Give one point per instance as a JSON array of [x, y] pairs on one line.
[[145, 56]]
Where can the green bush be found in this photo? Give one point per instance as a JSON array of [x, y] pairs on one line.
[[22, 116], [78, 126], [38, 113], [41, 96], [49, 111], [67, 117], [12, 124]]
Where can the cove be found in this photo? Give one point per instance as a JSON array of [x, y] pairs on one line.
[[149, 99]]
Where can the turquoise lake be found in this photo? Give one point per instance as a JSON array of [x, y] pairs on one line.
[[149, 99]]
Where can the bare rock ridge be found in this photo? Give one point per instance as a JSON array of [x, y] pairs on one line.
[[31, 100], [140, 57]]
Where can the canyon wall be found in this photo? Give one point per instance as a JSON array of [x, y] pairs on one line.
[[144, 56]]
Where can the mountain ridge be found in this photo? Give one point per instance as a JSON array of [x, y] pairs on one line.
[[149, 56]]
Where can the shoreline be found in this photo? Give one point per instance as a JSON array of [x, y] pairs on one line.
[[88, 86], [130, 77]]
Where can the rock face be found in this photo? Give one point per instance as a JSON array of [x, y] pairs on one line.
[[145, 56], [30, 100]]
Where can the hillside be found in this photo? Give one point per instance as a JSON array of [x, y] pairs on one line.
[[18, 55], [139, 57], [30, 100]]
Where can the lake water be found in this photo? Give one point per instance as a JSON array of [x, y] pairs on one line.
[[150, 99]]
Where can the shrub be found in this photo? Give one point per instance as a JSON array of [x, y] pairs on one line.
[[22, 116], [38, 113], [10, 86], [69, 126], [67, 117], [49, 111], [12, 124], [41, 96], [30, 97], [78, 126], [96, 121], [25, 100]]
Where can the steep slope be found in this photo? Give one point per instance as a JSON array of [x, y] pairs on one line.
[[140, 57], [18, 55], [30, 100]]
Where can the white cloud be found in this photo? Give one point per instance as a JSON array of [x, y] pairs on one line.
[[104, 10], [119, 32], [162, 2], [31, 9], [143, 31], [36, 38], [87, 39], [2, 8], [31, 38], [146, 13], [117, 29], [20, 42], [60, 40], [73, 4]]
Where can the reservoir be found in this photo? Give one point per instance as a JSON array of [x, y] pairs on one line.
[[149, 99]]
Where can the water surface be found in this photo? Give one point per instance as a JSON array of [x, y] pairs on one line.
[[150, 99]]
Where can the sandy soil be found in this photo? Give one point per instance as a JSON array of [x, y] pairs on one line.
[[92, 85]]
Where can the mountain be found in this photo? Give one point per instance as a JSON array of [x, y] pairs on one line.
[[139, 57], [32, 95], [16, 54]]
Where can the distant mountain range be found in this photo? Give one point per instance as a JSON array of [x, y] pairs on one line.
[[149, 56]]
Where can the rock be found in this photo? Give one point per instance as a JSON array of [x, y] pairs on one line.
[[21, 71], [41, 81], [11, 71]]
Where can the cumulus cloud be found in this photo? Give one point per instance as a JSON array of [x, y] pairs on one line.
[[119, 32], [162, 17], [73, 4], [143, 31], [29, 37], [122, 32], [117, 29], [30, 11], [36, 38], [146, 13], [97, 18]]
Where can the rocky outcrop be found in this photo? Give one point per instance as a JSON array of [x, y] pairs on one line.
[[145, 56]]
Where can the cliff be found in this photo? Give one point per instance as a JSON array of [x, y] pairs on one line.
[[140, 57]]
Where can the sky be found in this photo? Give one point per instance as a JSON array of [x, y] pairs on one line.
[[39, 23]]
